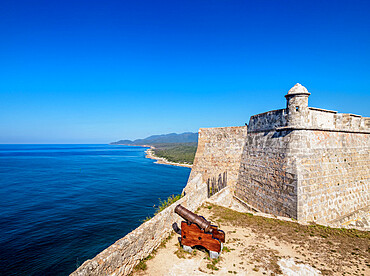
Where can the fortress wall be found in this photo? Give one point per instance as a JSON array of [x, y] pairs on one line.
[[334, 174], [327, 119], [217, 159], [321, 118], [352, 122], [268, 177], [307, 163], [268, 120]]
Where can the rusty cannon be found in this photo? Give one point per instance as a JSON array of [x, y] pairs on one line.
[[197, 231]]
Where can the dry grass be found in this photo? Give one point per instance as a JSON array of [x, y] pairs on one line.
[[328, 249], [255, 244]]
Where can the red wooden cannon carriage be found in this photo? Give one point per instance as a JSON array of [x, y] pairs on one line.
[[196, 230]]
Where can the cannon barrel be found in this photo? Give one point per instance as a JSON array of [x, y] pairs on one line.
[[190, 216]]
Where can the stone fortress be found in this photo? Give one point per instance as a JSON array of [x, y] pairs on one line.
[[301, 162]]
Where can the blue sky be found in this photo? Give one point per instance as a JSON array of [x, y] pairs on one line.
[[99, 71]]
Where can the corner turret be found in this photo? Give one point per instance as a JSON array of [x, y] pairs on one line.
[[297, 106]]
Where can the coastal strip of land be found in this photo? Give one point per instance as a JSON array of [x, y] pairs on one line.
[[160, 160], [150, 154]]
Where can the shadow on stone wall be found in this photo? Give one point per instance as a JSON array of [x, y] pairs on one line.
[[215, 185]]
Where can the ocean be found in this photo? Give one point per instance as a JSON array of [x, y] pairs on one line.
[[63, 204]]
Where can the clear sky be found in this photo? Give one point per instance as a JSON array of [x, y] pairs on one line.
[[100, 71]]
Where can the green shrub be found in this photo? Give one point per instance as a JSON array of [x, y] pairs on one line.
[[164, 204]]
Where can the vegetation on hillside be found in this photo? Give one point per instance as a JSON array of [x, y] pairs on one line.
[[176, 152], [186, 137]]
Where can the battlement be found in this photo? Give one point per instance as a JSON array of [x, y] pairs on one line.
[[298, 115]]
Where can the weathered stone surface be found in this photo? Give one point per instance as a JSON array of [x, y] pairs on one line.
[[268, 176], [306, 163], [334, 174], [218, 157], [359, 219]]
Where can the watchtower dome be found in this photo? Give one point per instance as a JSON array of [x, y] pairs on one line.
[[297, 106]]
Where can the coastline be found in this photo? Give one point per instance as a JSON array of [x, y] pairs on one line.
[[151, 155]]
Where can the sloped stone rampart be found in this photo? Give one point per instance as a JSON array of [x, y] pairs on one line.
[[268, 177], [307, 163], [334, 170], [307, 173], [218, 157]]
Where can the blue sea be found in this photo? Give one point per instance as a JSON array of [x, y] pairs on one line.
[[63, 204]]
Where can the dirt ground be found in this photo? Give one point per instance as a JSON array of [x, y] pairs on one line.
[[257, 245]]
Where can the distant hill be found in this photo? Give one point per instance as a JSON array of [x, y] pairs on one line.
[[186, 137]]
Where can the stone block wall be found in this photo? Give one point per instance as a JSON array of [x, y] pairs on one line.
[[268, 120], [320, 118], [309, 175], [218, 157], [334, 174], [344, 121], [331, 120], [268, 177], [306, 163]]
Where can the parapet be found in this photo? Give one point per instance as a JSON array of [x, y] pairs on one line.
[[299, 116]]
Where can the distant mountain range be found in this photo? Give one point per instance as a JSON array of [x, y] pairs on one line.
[[186, 137]]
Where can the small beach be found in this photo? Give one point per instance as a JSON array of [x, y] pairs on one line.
[[151, 155]]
